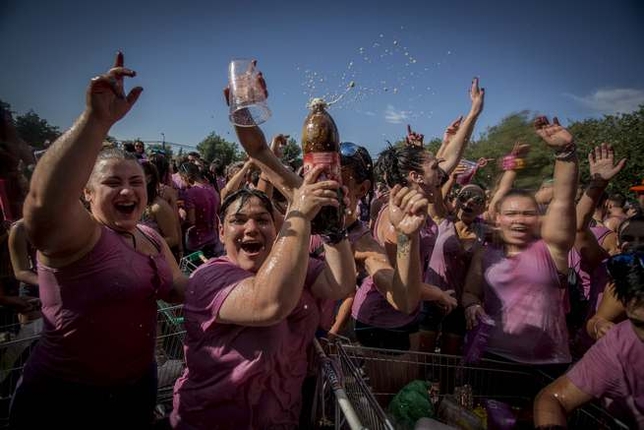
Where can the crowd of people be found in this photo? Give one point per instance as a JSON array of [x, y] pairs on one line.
[[94, 239]]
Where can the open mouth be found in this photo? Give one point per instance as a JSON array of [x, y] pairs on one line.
[[252, 247], [467, 210], [519, 228], [126, 208]]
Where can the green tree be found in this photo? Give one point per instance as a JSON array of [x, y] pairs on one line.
[[35, 130], [215, 146], [625, 132], [497, 141], [292, 153]]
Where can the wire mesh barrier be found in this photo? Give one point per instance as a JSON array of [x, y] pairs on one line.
[[18, 340], [371, 377]]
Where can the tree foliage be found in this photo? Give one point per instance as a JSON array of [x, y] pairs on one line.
[[625, 132], [35, 130], [292, 154], [216, 147]]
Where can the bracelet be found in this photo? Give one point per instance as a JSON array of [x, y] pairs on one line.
[[512, 162], [335, 237], [566, 153]]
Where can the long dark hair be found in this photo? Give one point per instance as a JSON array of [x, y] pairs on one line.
[[152, 186], [395, 163]]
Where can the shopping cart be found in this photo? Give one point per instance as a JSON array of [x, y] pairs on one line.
[[18, 340], [190, 262], [371, 377]]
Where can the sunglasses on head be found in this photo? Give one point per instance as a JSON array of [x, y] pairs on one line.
[[620, 262], [349, 149], [466, 196]]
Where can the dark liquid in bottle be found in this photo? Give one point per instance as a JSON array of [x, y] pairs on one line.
[[320, 145]]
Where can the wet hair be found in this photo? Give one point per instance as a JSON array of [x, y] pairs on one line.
[[152, 186], [190, 171], [395, 163], [245, 194], [627, 271], [111, 153], [516, 193]]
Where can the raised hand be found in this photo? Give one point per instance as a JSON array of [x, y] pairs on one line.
[[407, 209], [278, 143], [106, 100], [602, 165], [520, 150], [477, 95], [556, 136], [451, 130], [309, 198], [413, 138]]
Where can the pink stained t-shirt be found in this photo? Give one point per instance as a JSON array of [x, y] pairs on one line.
[[613, 370], [241, 377], [522, 294], [100, 313], [370, 306], [204, 199]]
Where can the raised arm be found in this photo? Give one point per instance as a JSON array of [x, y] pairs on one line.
[[55, 220], [274, 291], [235, 182], [453, 152], [559, 224], [449, 134], [512, 163], [602, 170]]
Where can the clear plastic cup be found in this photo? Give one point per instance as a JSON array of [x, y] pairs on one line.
[[247, 98]]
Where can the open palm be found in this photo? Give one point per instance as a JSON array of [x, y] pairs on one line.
[[602, 165], [553, 134]]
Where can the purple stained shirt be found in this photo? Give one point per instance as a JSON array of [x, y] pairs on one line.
[[371, 307], [613, 370], [100, 313], [523, 295], [205, 201], [449, 261], [241, 377]]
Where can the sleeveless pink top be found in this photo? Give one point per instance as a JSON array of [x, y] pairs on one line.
[[100, 313], [370, 306]]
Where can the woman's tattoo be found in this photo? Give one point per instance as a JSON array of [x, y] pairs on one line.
[[404, 245]]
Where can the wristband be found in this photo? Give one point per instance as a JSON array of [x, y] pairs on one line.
[[512, 162], [335, 237], [566, 153]]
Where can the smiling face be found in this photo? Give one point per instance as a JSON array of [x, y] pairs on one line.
[[470, 203], [518, 220], [248, 233], [116, 193]]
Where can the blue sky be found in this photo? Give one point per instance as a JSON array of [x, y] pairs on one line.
[[412, 62]]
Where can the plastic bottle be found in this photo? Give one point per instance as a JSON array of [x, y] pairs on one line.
[[320, 146]]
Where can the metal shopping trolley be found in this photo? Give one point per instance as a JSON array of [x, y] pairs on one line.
[[369, 378]]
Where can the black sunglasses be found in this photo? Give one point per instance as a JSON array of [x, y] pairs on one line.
[[465, 196]]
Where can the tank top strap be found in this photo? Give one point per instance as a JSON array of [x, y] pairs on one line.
[[151, 236]]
